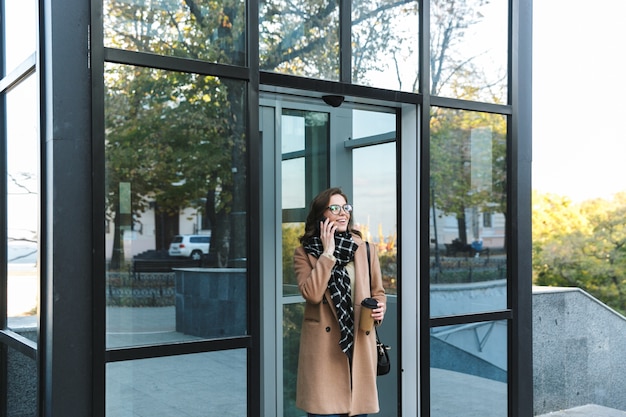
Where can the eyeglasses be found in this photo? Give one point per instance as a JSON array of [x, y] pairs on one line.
[[336, 208]]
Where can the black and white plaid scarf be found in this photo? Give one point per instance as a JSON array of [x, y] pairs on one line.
[[339, 284]]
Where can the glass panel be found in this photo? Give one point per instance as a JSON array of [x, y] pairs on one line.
[[374, 173], [293, 176], [293, 125], [21, 388], [23, 198], [385, 44], [468, 262], [300, 38], [304, 145], [202, 384], [176, 206], [469, 42], [292, 323], [468, 374], [213, 31], [291, 240], [304, 141], [367, 123], [20, 31], [375, 211]]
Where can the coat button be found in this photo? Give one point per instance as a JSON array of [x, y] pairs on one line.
[[328, 329], [367, 332]]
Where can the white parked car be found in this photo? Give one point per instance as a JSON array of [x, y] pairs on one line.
[[190, 246]]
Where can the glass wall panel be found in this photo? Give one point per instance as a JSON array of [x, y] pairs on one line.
[[212, 31], [23, 208], [292, 324], [469, 50], [374, 178], [300, 37], [385, 44], [22, 382], [202, 384], [468, 262], [175, 188], [20, 22], [468, 373], [304, 173]]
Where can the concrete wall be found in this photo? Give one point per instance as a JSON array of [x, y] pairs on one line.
[[579, 351]]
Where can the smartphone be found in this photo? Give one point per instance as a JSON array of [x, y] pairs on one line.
[[317, 224]]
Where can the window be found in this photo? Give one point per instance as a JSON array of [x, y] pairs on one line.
[[213, 32], [468, 175], [487, 219]]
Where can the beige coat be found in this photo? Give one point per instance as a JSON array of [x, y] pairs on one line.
[[324, 378]]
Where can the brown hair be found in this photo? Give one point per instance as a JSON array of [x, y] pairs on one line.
[[318, 206]]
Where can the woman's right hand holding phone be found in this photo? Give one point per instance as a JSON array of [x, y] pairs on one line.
[[327, 236]]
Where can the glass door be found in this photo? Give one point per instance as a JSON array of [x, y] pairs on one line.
[[307, 148]]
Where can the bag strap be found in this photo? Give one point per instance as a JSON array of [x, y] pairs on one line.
[[369, 268]]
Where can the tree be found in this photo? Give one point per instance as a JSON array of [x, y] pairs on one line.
[[454, 72], [468, 163], [295, 38], [456, 166], [178, 139], [581, 245], [302, 38], [21, 192], [166, 137]]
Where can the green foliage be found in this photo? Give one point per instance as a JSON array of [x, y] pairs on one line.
[[176, 139], [581, 245], [291, 240], [199, 29], [468, 163], [451, 159], [302, 38]]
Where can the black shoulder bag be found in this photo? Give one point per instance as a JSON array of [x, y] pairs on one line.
[[384, 365]]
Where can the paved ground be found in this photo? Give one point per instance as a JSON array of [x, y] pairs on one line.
[[202, 384], [589, 410], [207, 384]]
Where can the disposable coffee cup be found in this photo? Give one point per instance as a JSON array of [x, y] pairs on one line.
[[367, 321]]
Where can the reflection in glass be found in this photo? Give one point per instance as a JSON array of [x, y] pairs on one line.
[[20, 22], [300, 38], [293, 127], [304, 137], [202, 384], [468, 179], [374, 173], [468, 374], [212, 31], [469, 42], [293, 176], [23, 209], [175, 164], [304, 141], [21, 389], [292, 323], [385, 44], [291, 240]]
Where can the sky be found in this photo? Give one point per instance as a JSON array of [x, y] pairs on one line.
[[579, 98]]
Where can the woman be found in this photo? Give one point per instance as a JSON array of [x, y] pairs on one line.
[[337, 362]]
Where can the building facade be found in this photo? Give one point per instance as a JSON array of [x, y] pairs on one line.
[[129, 122]]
